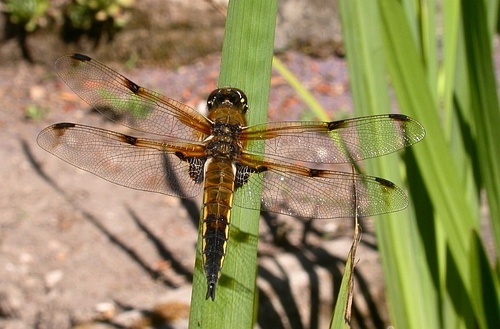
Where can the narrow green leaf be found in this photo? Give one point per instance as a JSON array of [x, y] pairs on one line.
[[450, 14], [343, 306], [246, 64], [486, 288], [457, 115]]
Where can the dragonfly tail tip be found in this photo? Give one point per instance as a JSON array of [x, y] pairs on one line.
[[211, 291]]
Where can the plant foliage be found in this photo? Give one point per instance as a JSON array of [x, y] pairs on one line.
[[29, 14], [439, 61]]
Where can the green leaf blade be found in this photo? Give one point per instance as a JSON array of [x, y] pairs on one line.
[[245, 64]]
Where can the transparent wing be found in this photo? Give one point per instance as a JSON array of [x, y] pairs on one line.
[[127, 103], [341, 141], [329, 194], [142, 164]]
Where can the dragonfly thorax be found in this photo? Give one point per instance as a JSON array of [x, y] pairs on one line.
[[224, 141]]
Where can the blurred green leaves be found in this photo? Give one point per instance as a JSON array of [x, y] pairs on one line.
[[436, 56], [84, 14], [30, 14]]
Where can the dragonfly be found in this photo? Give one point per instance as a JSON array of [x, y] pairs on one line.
[[184, 152]]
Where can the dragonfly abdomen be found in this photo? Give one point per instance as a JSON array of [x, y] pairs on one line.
[[217, 202]]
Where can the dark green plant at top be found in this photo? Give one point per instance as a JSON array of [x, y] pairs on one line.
[[84, 14], [75, 19], [95, 18], [24, 17], [29, 14]]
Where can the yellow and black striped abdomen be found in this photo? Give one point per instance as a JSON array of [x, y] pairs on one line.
[[217, 203]]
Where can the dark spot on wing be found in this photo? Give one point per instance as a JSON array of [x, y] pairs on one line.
[[196, 167], [385, 182], [314, 172], [60, 128], [242, 175], [81, 57], [63, 125], [129, 139], [260, 169], [399, 117], [132, 86], [181, 156], [336, 124]]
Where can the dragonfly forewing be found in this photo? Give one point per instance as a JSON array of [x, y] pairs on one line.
[[343, 141], [127, 103]]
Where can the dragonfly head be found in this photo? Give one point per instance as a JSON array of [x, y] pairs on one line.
[[227, 98]]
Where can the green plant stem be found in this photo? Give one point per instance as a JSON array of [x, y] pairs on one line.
[[245, 64]]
